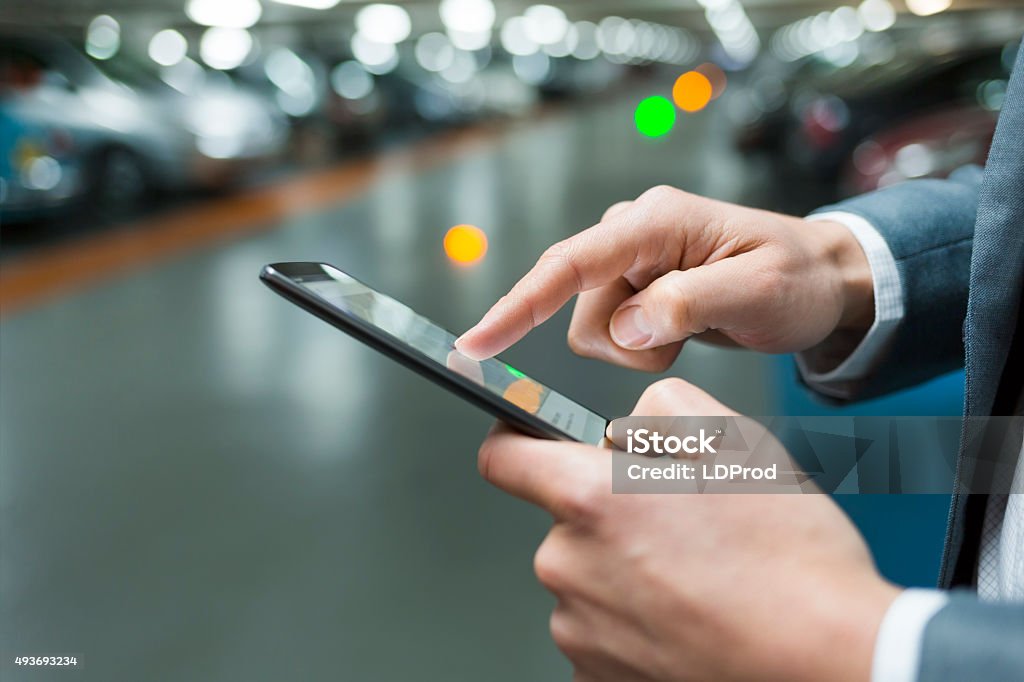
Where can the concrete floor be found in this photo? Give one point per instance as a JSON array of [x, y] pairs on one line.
[[201, 482]]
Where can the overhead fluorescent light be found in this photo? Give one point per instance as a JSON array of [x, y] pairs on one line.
[[224, 13], [309, 4]]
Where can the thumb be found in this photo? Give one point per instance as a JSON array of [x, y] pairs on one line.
[[671, 406], [682, 303]]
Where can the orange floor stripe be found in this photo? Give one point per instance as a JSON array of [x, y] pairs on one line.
[[71, 266]]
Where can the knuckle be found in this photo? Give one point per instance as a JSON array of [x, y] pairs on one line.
[[548, 565], [559, 251], [581, 341], [578, 342], [659, 193], [564, 254], [667, 391], [672, 302], [668, 290], [615, 209], [565, 634]]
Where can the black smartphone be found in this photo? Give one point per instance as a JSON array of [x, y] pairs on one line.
[[423, 346]]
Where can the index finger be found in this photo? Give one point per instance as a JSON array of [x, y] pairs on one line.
[[590, 259]]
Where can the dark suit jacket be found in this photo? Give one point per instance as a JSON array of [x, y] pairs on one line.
[[959, 247]]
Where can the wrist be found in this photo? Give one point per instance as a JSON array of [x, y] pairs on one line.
[[848, 628], [846, 258]]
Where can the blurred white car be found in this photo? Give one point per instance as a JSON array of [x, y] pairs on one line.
[[133, 132]]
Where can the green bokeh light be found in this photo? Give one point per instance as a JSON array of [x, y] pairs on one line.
[[655, 116]]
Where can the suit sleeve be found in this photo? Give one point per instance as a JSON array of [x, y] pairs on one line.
[[928, 226], [973, 640]]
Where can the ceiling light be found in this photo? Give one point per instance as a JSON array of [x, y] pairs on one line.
[[384, 23], [226, 13], [378, 58], [514, 38], [876, 15], [168, 47], [103, 37], [225, 48], [468, 16], [309, 4], [545, 24], [924, 8]]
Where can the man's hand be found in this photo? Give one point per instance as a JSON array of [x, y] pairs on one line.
[[692, 587], [672, 265]]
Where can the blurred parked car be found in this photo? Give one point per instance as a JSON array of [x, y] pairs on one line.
[[820, 125], [831, 125], [768, 110], [137, 136], [40, 171], [230, 127], [928, 146]]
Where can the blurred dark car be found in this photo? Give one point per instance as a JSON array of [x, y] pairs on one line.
[[820, 125], [769, 111], [932, 145], [363, 107], [831, 125], [130, 139]]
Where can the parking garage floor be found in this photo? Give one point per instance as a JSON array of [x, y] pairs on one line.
[[202, 482]]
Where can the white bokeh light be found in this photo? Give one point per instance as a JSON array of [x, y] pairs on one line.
[[225, 48], [876, 15], [351, 81], [378, 58], [462, 68], [467, 16], [586, 41], [514, 38], [545, 24], [310, 4], [470, 40], [382, 23], [224, 13], [434, 52], [532, 69], [926, 8], [103, 37], [168, 47]]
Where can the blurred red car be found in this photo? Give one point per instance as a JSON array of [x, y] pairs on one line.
[[931, 145]]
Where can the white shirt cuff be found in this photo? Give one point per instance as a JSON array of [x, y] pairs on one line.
[[889, 311], [898, 645]]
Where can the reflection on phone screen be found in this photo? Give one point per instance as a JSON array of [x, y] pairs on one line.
[[407, 326]]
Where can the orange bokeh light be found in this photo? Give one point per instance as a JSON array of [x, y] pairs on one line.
[[692, 91], [465, 244], [717, 77]]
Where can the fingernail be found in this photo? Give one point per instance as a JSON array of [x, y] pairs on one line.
[[630, 328]]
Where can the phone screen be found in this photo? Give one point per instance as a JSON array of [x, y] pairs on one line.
[[354, 298]]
